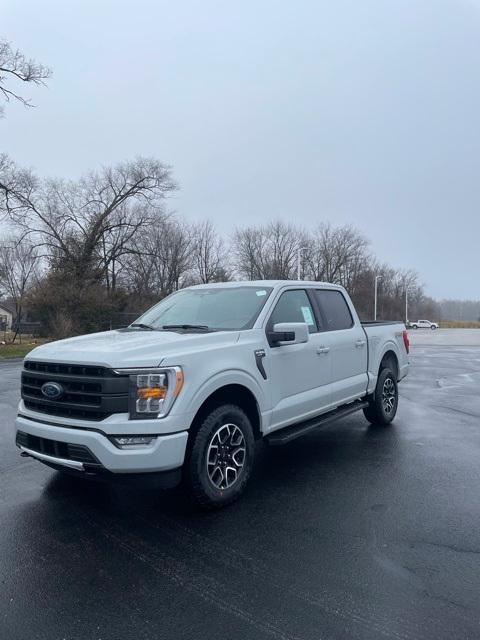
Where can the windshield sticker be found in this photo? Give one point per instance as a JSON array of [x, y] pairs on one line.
[[261, 292], [307, 316]]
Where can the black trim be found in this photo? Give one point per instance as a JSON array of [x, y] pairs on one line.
[[50, 368], [275, 337], [87, 392], [56, 448], [259, 356], [286, 434], [317, 311], [156, 479]]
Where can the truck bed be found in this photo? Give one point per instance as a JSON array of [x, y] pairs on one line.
[[383, 334]]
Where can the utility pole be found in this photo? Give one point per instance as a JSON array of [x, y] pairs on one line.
[[377, 278], [299, 260], [406, 306]]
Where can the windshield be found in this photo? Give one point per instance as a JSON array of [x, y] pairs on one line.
[[227, 308]]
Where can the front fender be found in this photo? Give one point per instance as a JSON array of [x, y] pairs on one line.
[[222, 379]]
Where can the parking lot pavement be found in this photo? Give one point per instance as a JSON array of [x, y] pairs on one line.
[[352, 532], [445, 337]]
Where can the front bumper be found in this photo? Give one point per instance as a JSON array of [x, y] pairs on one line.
[[167, 452]]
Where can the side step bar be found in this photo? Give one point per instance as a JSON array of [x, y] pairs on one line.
[[282, 436]]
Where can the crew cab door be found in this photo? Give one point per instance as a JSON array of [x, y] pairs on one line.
[[346, 338], [299, 374]]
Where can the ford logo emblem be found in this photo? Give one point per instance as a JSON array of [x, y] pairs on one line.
[[52, 390]]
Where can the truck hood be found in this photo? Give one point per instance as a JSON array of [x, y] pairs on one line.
[[128, 348]]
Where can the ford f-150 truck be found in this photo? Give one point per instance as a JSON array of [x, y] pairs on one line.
[[187, 389]]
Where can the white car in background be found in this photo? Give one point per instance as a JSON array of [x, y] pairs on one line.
[[423, 324]]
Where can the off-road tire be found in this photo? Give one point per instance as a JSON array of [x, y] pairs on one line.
[[383, 406], [198, 483]]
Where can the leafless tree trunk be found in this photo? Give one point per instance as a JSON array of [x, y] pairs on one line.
[[85, 224], [118, 239], [18, 265], [208, 253], [160, 262], [84, 228], [336, 254], [268, 252]]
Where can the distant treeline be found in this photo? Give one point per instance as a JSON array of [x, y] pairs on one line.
[[106, 246], [463, 310]]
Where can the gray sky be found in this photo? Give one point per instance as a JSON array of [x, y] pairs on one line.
[[364, 112]]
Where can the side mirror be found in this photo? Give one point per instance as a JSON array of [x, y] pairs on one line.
[[288, 333]]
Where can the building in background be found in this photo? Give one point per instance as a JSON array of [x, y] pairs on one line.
[[6, 316]]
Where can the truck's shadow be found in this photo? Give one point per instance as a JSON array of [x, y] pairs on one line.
[[312, 463]]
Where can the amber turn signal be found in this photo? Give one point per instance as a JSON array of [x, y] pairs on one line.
[[149, 393]]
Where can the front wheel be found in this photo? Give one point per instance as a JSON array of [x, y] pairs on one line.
[[383, 407], [433, 327], [219, 457]]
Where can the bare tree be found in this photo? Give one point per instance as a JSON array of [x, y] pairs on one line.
[[84, 229], [336, 254], [463, 310], [268, 252], [16, 68], [18, 265], [72, 220], [392, 286], [110, 245], [119, 238], [161, 261], [208, 253]]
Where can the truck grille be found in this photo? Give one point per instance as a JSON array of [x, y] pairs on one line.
[[56, 449], [88, 393]]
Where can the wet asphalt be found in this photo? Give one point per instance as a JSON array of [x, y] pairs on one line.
[[350, 532]]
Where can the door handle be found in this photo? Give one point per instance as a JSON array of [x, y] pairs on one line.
[[321, 350], [360, 343]]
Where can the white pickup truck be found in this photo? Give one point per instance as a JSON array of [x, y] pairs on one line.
[[422, 324], [185, 391]]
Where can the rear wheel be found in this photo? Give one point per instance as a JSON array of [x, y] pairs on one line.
[[220, 457], [383, 406], [414, 326]]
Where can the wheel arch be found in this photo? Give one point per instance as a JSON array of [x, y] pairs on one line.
[[389, 360], [232, 393]]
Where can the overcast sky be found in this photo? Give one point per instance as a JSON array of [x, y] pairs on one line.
[[354, 111]]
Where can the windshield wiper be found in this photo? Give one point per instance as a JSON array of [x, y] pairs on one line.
[[186, 327], [140, 325]]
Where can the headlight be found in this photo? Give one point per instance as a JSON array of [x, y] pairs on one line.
[[152, 392]]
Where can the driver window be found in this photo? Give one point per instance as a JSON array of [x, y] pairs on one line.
[[294, 306]]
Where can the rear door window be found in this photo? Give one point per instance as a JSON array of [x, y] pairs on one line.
[[334, 309]]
